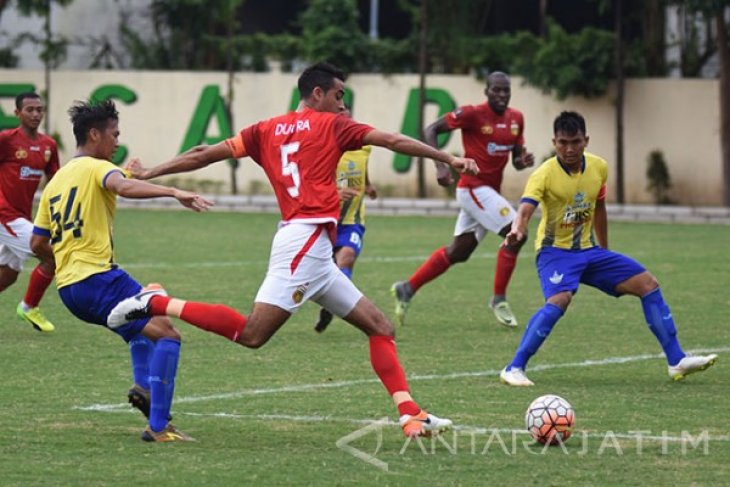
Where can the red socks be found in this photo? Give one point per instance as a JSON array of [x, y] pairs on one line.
[[436, 265], [506, 262], [39, 282], [215, 318], [384, 360]]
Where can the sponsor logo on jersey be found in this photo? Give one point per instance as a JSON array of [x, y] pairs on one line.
[[21, 154], [494, 148], [487, 130], [30, 173], [556, 278], [578, 213], [514, 128]]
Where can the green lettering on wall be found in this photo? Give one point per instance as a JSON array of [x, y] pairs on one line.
[[437, 96], [11, 90], [294, 101], [210, 105], [126, 96]]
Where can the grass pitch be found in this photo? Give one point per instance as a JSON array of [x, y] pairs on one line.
[[274, 416]]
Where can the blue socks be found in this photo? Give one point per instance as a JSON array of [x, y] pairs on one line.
[[163, 369], [141, 349], [659, 318], [539, 327]]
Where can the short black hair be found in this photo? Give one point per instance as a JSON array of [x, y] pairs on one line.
[[25, 95], [320, 74], [91, 114], [569, 123], [497, 74]]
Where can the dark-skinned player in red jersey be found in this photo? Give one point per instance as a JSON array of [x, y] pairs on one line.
[[490, 132], [26, 156], [299, 152]]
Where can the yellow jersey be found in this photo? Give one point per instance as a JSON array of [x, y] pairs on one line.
[[76, 212], [568, 201], [351, 173]]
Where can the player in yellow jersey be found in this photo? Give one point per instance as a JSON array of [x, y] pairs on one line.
[[572, 248], [74, 227], [353, 183]]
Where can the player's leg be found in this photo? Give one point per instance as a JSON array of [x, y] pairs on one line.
[[91, 300], [8, 276], [18, 243], [467, 234], [163, 371], [347, 249], [40, 278], [506, 263], [661, 323], [494, 213], [345, 300], [559, 273]]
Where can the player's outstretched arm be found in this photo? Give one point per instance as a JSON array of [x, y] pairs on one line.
[[519, 225], [135, 189], [430, 136], [195, 158], [412, 147]]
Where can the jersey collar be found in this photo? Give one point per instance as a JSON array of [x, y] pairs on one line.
[[582, 165]]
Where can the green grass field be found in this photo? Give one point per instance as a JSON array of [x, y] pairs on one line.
[[273, 416]]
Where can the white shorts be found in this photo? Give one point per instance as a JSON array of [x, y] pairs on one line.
[[301, 269], [482, 209], [15, 243]]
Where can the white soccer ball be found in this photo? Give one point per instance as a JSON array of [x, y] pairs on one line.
[[550, 419]]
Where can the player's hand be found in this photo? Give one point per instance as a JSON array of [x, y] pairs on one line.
[[528, 158], [465, 165], [135, 169], [371, 191], [514, 236], [346, 194], [192, 200], [443, 174]]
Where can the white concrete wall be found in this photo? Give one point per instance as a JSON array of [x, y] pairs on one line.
[[679, 117]]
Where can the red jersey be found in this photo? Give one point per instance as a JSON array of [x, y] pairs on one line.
[[488, 138], [23, 161], [299, 152]]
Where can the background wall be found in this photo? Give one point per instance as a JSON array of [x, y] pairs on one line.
[[677, 116]]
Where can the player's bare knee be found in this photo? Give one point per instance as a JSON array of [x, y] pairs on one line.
[[561, 300], [252, 341]]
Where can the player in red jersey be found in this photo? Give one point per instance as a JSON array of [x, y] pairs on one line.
[[299, 152], [25, 156], [490, 132]]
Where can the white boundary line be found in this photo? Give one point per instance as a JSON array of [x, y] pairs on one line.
[[411, 378]]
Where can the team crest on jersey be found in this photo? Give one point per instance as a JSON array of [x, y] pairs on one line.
[[514, 128], [47, 155], [21, 154], [298, 294], [487, 130], [504, 212]]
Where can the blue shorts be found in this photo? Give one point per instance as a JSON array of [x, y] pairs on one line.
[[350, 236], [92, 299], [562, 270]]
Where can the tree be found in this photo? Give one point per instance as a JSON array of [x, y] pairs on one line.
[[53, 48], [330, 32]]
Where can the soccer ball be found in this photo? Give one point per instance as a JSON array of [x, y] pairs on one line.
[[550, 419]]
